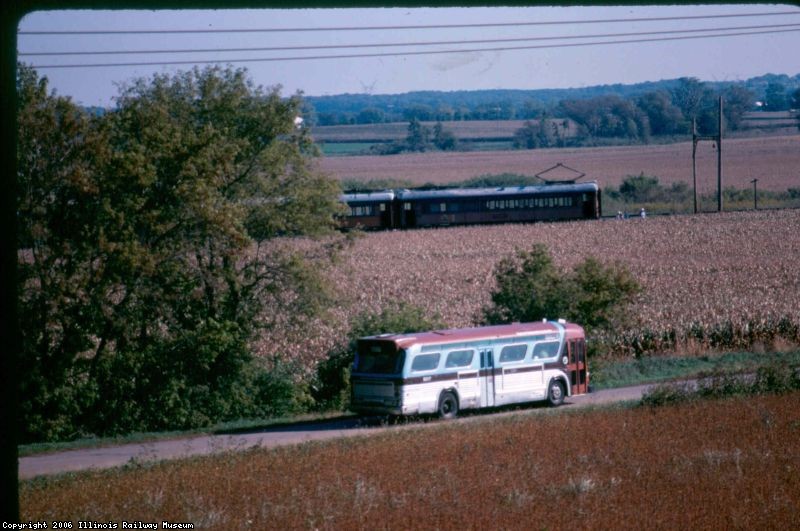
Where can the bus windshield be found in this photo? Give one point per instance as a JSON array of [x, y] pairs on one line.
[[378, 357]]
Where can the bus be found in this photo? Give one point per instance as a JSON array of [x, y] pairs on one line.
[[444, 371]]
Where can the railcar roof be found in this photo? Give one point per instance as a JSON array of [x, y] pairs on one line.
[[464, 335], [367, 196], [498, 191]]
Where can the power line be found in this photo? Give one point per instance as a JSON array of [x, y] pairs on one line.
[[402, 44], [428, 26], [424, 52]]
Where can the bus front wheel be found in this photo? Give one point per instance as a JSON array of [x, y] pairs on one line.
[[555, 393], [448, 406]]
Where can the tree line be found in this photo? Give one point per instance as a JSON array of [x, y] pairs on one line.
[[773, 92]]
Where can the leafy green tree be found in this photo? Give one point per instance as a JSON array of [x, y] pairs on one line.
[[371, 115], [332, 389], [534, 135], [443, 138], [664, 117], [146, 250], [418, 138], [530, 288], [690, 96], [796, 100], [737, 101], [775, 97]]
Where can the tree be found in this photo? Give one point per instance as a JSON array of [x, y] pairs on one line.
[[418, 138], [371, 115], [690, 96], [332, 388], [145, 245], [530, 288], [534, 135], [738, 100], [664, 117], [443, 138], [796, 100], [775, 97]]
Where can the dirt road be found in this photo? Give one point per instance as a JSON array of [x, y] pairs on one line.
[[108, 457]]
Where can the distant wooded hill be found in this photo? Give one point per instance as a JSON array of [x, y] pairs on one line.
[[505, 104]]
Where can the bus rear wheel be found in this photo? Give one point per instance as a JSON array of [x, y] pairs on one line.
[[555, 393], [448, 406]]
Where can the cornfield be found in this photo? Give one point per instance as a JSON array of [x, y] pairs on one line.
[[716, 281]]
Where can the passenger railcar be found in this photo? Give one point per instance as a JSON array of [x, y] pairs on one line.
[[374, 210], [445, 371], [406, 209]]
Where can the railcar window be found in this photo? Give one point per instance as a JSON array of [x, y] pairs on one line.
[[545, 350], [513, 353], [407, 206], [459, 358], [383, 207], [361, 210], [425, 362]]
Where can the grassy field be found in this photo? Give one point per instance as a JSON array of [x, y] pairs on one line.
[[773, 160], [721, 464]]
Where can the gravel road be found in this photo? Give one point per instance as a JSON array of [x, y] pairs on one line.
[[113, 456]]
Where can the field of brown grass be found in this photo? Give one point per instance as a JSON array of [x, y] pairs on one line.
[[723, 464], [708, 269], [775, 161]]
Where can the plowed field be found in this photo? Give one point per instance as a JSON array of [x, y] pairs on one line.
[[775, 161]]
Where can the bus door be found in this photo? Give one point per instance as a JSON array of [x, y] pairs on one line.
[[577, 366], [487, 378]]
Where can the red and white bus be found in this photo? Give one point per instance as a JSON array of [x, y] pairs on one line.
[[444, 371]]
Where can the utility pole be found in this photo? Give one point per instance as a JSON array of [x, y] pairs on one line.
[[719, 158], [718, 139], [755, 194]]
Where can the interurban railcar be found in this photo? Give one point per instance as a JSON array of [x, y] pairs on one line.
[[406, 209], [444, 371]]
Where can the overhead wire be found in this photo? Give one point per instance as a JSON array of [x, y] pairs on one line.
[[408, 27], [416, 53], [405, 44]]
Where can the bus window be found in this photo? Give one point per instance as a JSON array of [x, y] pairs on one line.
[[459, 358], [545, 350], [513, 353], [425, 362], [377, 358]]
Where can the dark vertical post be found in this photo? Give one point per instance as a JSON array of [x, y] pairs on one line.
[[10, 15], [755, 194], [719, 159], [694, 162]]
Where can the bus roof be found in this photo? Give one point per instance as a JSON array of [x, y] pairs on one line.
[[464, 335]]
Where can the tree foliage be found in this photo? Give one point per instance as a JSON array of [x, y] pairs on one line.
[[531, 288], [146, 249], [332, 389]]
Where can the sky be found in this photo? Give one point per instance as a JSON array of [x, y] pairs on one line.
[[550, 58]]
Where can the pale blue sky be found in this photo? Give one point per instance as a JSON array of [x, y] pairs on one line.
[[716, 59]]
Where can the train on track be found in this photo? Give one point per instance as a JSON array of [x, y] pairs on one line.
[[408, 209]]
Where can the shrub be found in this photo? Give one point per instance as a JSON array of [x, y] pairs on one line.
[[530, 288], [332, 387]]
